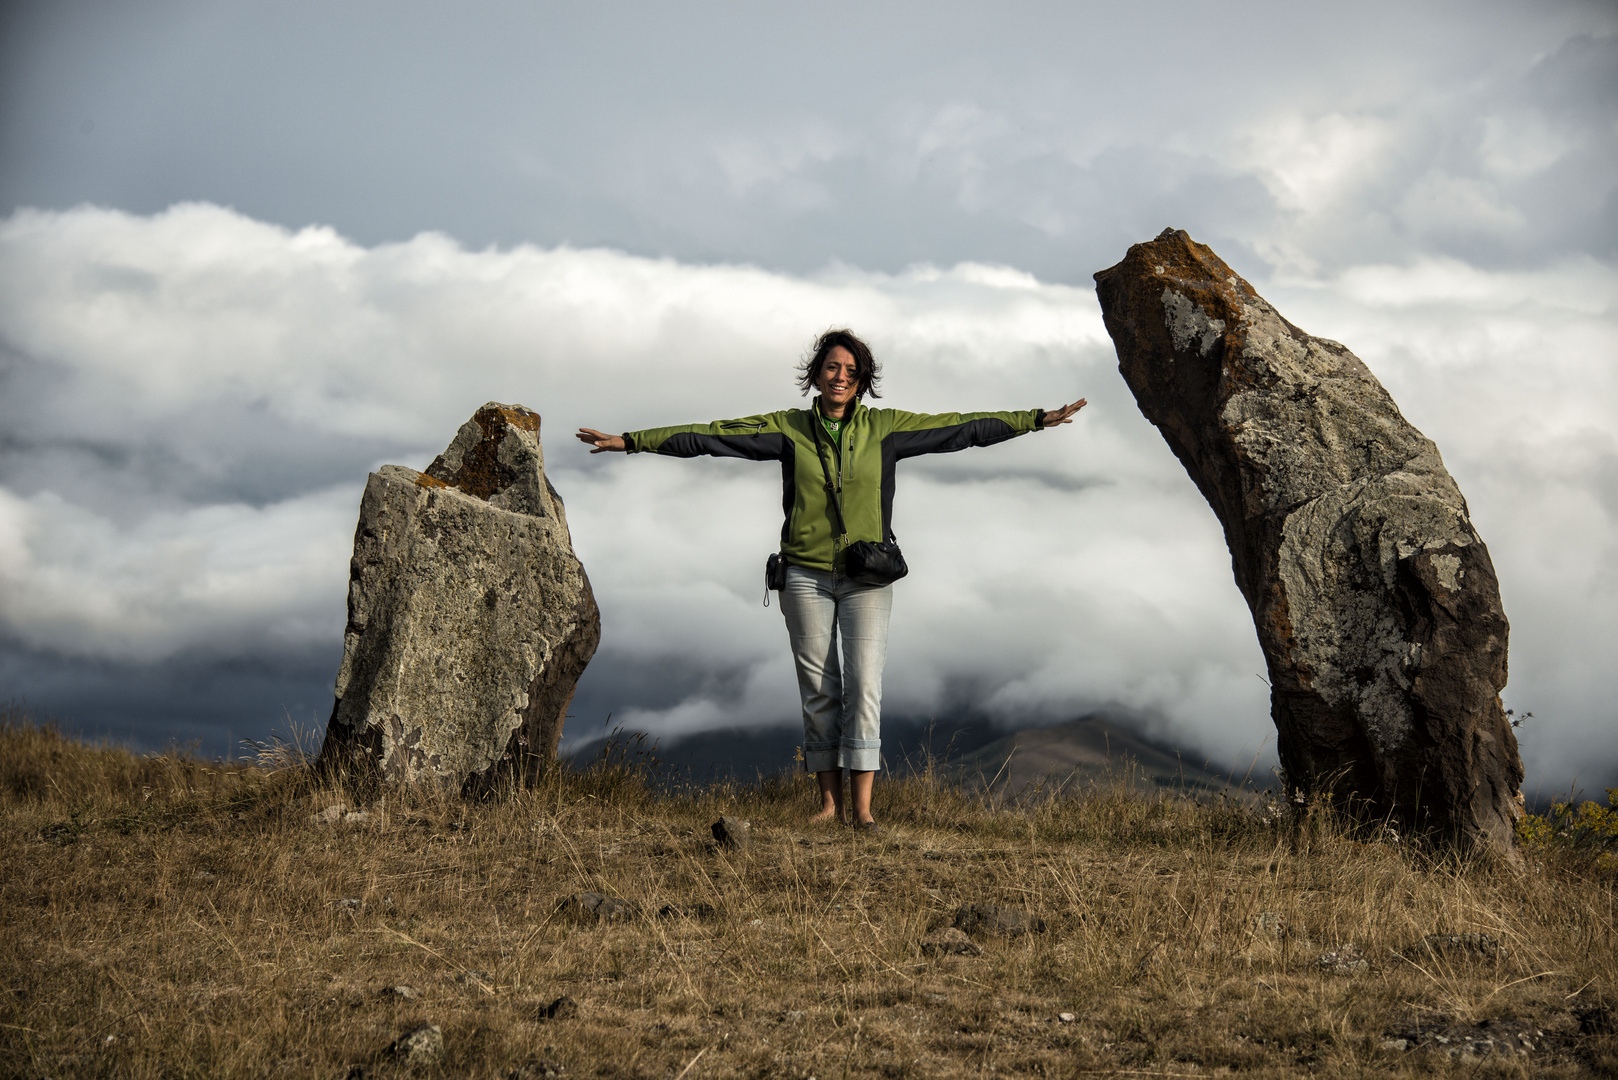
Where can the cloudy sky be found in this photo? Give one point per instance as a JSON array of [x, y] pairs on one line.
[[249, 252]]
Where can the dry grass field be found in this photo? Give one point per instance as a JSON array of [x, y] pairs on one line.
[[168, 917]]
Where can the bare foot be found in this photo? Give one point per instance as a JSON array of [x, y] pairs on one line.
[[831, 813]]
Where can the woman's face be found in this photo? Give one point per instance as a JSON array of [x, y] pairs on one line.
[[838, 377]]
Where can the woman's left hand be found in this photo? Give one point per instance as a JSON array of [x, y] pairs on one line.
[[1063, 415]]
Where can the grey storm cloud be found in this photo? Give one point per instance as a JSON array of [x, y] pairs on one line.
[[250, 252]]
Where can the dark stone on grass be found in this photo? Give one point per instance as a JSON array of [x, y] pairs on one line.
[[733, 833], [1374, 598], [469, 616], [996, 919], [594, 905], [563, 1008], [401, 992], [950, 942], [419, 1046]]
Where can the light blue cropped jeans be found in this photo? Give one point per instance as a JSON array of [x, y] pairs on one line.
[[842, 702]]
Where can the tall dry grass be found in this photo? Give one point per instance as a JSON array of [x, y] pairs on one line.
[[170, 917]]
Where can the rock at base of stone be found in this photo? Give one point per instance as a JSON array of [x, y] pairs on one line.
[[1374, 598], [469, 617], [998, 919], [733, 833]]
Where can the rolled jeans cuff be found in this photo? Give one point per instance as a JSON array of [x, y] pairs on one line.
[[861, 758], [821, 757]]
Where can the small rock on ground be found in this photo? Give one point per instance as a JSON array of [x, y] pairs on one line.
[[1270, 924], [1461, 946], [563, 1008], [402, 992], [419, 1045], [1595, 1019], [950, 941], [980, 918], [733, 833], [593, 905], [1344, 961]]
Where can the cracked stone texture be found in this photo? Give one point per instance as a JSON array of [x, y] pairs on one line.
[[469, 618], [1374, 598]]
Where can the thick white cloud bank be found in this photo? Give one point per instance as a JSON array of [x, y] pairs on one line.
[[192, 400]]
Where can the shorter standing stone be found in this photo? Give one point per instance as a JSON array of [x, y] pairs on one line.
[[469, 616], [999, 919], [733, 833]]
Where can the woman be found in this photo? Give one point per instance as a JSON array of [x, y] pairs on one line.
[[836, 449]]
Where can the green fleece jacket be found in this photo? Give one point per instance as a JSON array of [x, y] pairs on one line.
[[861, 464]]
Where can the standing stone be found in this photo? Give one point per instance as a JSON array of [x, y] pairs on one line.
[[1374, 599], [469, 618]]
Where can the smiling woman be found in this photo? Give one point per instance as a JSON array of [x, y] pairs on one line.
[[837, 471]]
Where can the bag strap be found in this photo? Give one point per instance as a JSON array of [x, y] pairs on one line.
[[832, 494]]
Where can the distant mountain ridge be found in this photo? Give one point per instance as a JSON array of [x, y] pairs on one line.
[[1095, 749]]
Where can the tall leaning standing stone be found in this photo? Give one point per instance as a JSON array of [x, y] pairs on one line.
[[469, 618], [1374, 598]]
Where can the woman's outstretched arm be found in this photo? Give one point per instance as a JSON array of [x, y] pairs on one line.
[[601, 441]]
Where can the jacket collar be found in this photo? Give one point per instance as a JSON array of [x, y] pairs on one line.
[[854, 409]]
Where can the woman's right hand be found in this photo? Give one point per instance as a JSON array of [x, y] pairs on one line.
[[601, 441]]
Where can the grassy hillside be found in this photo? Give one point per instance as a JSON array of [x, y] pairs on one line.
[[165, 917]]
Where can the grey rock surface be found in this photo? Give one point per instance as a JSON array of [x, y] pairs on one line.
[[469, 617], [1374, 598]]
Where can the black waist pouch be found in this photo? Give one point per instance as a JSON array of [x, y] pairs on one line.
[[775, 572], [875, 564]]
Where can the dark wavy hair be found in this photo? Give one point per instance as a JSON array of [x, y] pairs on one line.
[[866, 369]]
